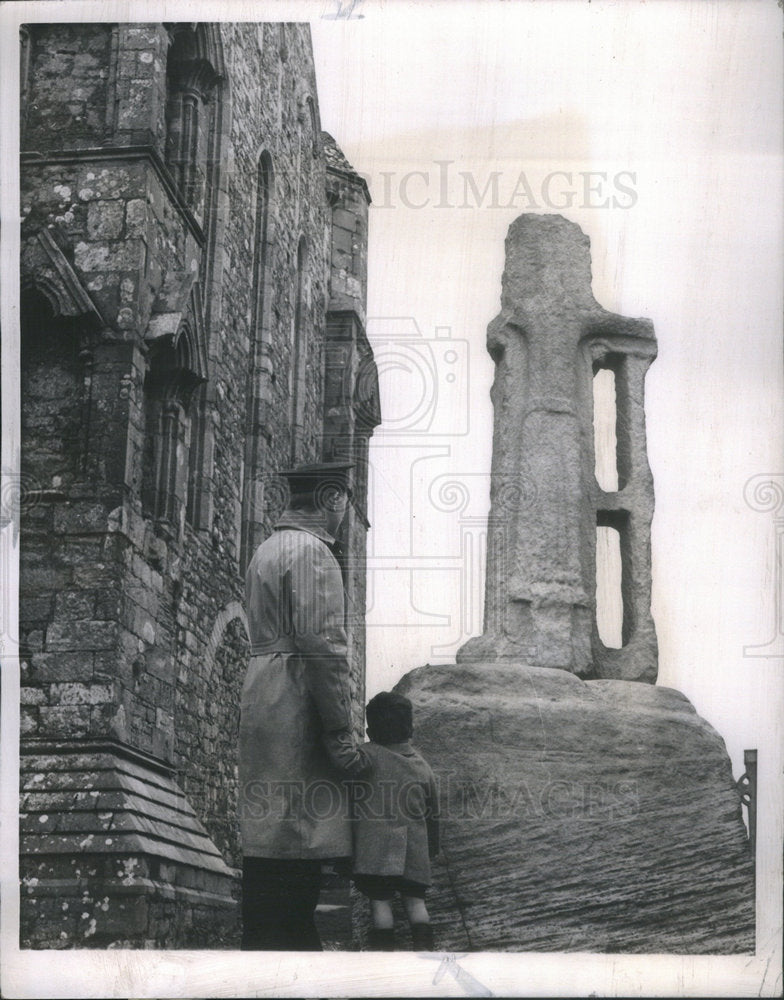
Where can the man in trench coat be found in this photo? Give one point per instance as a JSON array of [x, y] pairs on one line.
[[296, 750]]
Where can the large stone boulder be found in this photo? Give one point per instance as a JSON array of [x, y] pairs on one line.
[[580, 815]]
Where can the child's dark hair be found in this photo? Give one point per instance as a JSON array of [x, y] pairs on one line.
[[389, 718]]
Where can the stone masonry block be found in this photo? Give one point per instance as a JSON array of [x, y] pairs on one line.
[[28, 720], [81, 694], [35, 609], [125, 255], [65, 720], [105, 220], [144, 36], [81, 635], [343, 219], [107, 604], [74, 605], [136, 217], [343, 240], [32, 696], [134, 113], [46, 578], [45, 667], [32, 641]]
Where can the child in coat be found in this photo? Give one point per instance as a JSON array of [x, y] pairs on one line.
[[395, 809]]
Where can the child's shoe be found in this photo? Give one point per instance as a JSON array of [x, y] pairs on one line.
[[381, 940], [422, 937]]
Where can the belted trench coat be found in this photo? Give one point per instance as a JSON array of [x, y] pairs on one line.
[[296, 752]]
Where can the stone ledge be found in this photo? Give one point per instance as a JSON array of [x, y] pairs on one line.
[[31, 158], [108, 832]]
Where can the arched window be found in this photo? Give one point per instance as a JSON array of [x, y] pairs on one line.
[[60, 328], [198, 485], [197, 133], [312, 129], [53, 378], [261, 245], [298, 385], [169, 387], [260, 372], [190, 80]]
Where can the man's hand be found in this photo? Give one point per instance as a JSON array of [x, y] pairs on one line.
[[345, 754]]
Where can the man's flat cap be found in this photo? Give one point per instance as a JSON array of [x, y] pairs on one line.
[[318, 475]]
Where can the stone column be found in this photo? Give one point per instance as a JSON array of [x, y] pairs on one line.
[[547, 342]]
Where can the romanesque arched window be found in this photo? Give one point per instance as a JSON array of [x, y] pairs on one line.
[[199, 461], [172, 377], [59, 330], [312, 129], [260, 369], [261, 249], [197, 122], [53, 394], [298, 370], [190, 81]]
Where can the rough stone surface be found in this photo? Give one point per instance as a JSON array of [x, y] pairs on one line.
[[580, 816], [547, 342]]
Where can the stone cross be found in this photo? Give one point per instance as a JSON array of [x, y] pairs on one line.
[[547, 343]]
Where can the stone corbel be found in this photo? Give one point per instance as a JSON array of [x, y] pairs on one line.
[[177, 312], [367, 399], [170, 305], [45, 268]]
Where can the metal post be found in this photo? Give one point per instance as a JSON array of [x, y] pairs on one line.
[[747, 786]]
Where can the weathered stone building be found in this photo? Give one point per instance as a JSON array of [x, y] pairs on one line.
[[193, 296]]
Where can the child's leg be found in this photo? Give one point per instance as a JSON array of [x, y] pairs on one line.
[[381, 914], [381, 934], [416, 911], [419, 918]]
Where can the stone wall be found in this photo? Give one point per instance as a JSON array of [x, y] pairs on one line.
[[177, 266]]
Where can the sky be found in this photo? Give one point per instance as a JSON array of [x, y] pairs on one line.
[[657, 128]]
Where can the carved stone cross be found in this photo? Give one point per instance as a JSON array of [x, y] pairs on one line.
[[548, 342]]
